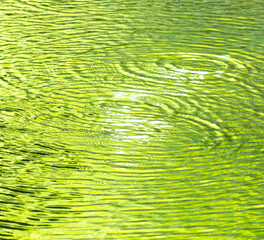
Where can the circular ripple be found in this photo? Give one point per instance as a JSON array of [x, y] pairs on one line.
[[191, 88], [181, 65]]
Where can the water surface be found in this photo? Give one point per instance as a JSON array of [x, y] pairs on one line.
[[131, 120]]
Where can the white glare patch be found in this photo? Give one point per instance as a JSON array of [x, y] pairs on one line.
[[214, 125], [225, 57], [124, 164]]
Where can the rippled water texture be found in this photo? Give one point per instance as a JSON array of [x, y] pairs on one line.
[[131, 120]]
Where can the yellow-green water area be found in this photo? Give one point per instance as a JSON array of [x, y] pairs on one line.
[[131, 120]]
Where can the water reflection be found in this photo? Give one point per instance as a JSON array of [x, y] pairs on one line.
[[131, 120]]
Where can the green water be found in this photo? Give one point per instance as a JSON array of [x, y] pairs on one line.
[[131, 120]]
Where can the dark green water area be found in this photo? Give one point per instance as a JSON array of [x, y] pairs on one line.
[[131, 120]]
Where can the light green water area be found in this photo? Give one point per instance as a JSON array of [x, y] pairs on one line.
[[131, 120]]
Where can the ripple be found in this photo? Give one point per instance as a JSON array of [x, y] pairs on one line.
[[48, 6], [189, 81], [180, 65]]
